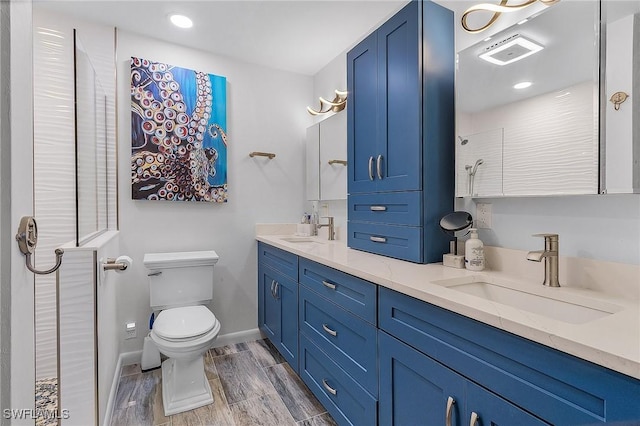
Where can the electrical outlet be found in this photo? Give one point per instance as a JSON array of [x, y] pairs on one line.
[[130, 330], [483, 216]]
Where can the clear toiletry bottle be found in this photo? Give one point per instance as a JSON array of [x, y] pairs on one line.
[[474, 252]]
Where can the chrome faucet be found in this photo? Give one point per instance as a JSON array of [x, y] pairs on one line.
[[550, 256], [332, 231]]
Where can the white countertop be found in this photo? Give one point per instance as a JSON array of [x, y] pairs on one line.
[[612, 341]]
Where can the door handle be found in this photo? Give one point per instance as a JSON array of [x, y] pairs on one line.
[[450, 402], [371, 177], [379, 166]]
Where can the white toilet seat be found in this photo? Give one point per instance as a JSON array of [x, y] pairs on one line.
[[184, 323]]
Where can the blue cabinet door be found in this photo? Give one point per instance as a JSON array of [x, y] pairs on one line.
[[268, 305], [414, 389], [399, 156], [278, 311], [286, 294], [362, 133]]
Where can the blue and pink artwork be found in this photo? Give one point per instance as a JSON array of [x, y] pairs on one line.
[[178, 133]]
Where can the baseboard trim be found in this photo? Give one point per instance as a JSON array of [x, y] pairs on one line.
[[238, 337]]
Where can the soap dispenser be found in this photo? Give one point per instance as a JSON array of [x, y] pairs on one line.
[[474, 252]]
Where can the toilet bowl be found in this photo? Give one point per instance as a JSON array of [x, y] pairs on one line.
[[184, 334], [180, 287]]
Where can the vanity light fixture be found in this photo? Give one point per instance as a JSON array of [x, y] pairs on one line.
[[181, 21], [522, 85], [337, 104], [510, 50], [497, 9]]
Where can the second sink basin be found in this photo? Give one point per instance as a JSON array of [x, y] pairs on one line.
[[576, 311]]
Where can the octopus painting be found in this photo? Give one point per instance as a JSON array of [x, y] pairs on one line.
[[178, 133]]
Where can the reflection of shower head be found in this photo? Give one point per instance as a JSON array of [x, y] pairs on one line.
[[463, 141], [475, 167]]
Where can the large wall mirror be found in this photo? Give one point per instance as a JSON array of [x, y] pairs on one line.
[[91, 148], [527, 106]]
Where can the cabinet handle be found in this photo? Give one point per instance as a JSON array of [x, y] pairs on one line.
[[329, 389], [273, 284], [378, 208], [450, 402], [328, 330], [474, 419], [275, 290], [329, 285], [370, 168], [378, 239], [379, 166]]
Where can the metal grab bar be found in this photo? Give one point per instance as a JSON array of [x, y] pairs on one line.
[[262, 154]]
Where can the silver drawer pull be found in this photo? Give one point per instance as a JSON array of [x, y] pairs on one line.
[[329, 389], [327, 284], [378, 208], [378, 239], [474, 419], [328, 330], [450, 402]]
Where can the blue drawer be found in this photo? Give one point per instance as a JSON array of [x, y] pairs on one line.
[[279, 260], [557, 387], [392, 208], [353, 294], [401, 242], [345, 338], [344, 399]]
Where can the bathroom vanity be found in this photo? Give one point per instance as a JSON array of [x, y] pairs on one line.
[[382, 341]]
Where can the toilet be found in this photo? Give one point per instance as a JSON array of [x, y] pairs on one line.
[[180, 285]]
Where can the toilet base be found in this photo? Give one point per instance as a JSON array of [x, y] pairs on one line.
[[184, 385]]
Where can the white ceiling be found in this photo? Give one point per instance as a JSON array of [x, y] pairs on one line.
[[301, 36]]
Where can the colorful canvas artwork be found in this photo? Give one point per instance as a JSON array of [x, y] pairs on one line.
[[178, 133]]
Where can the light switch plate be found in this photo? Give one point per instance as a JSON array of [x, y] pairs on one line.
[[483, 216]]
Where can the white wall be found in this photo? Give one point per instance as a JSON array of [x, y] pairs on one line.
[[266, 111]]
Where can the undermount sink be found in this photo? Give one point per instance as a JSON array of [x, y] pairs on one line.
[[578, 310], [295, 239]]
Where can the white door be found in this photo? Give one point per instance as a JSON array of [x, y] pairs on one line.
[[16, 190]]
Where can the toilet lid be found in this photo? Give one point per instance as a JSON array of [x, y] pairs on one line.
[[185, 322]]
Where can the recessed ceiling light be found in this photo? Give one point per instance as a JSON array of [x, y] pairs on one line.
[[523, 21], [181, 21], [510, 50], [522, 85]]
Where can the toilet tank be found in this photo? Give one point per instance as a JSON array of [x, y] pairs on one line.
[[180, 279]]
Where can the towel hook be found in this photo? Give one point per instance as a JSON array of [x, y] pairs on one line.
[[27, 238]]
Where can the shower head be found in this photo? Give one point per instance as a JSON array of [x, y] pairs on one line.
[[475, 167], [463, 141]]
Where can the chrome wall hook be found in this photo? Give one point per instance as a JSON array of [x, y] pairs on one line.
[[27, 238]]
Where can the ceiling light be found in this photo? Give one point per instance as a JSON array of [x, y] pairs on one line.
[[523, 21], [510, 50], [522, 85], [181, 21]]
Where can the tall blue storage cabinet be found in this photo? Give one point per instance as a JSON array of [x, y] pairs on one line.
[[400, 129]]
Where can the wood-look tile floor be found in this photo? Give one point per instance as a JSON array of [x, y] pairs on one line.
[[251, 384]]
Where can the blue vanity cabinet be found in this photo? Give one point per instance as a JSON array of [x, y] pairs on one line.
[[414, 387], [400, 133], [506, 377], [339, 341], [278, 300]]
